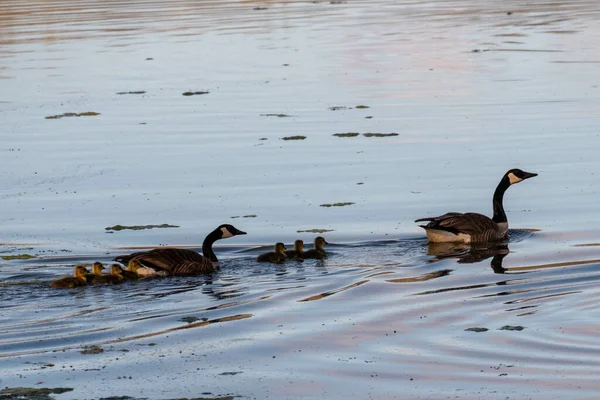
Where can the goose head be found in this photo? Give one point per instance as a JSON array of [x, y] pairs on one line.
[[81, 271], [97, 268], [299, 245], [279, 248], [227, 231], [516, 175], [320, 242]]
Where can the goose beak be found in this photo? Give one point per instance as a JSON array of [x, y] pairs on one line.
[[528, 175], [238, 232], [326, 242]]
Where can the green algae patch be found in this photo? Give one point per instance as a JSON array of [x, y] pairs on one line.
[[23, 393], [189, 320], [276, 115], [19, 257], [361, 107], [200, 92], [132, 92], [512, 328], [338, 108], [298, 137], [349, 203], [83, 114], [379, 134], [92, 350], [314, 230], [138, 227], [245, 216], [476, 329], [347, 134]]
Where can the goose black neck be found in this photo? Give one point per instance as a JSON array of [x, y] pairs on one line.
[[207, 250], [499, 214]]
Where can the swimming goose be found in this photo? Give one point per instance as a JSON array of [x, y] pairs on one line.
[[474, 227], [183, 262], [275, 257], [72, 281], [113, 277], [318, 252], [97, 269], [296, 254]]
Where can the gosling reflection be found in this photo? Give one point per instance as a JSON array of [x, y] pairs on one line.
[[473, 253]]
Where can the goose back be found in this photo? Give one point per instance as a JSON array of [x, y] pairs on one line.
[[467, 227], [174, 261]]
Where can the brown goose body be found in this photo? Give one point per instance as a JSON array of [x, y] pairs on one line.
[[474, 227], [71, 281], [318, 252], [182, 262], [276, 257], [296, 254]]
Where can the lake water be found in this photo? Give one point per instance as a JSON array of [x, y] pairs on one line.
[[472, 88]]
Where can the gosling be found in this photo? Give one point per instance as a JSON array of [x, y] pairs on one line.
[[113, 277], [72, 281], [275, 257], [97, 269], [318, 252], [297, 253]]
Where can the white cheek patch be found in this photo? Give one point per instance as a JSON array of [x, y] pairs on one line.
[[512, 178], [226, 233]]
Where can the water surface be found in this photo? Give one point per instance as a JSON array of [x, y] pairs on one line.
[[472, 89]]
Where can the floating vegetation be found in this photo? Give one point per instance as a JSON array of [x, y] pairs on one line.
[[512, 328], [297, 137], [337, 204], [263, 138], [245, 216], [360, 183], [19, 257], [361, 107], [276, 115], [338, 108], [138, 227], [478, 330], [83, 114], [347, 134], [260, 8], [189, 320], [314, 230], [195, 93], [23, 393], [133, 92], [379, 134], [92, 350]]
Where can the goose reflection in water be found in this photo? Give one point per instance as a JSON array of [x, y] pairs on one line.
[[469, 254]]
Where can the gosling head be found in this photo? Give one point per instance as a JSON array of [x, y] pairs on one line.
[[228, 231], [299, 245], [516, 175], [320, 242], [115, 269], [134, 265], [81, 271], [97, 268], [279, 248]]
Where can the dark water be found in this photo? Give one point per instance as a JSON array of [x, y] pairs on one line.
[[471, 88]]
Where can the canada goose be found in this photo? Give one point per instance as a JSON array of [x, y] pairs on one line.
[[318, 252], [275, 257], [182, 262], [71, 281], [473, 227], [296, 254], [113, 277], [97, 269]]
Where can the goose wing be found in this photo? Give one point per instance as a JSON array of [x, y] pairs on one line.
[[468, 223], [174, 261]]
